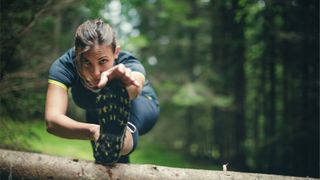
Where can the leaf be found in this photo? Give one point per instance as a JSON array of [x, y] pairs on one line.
[[193, 94], [198, 94]]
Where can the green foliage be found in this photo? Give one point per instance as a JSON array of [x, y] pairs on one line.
[[237, 80], [94, 7], [136, 43], [32, 136], [193, 94], [198, 95]]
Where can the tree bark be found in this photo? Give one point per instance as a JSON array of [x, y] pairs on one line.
[[25, 165]]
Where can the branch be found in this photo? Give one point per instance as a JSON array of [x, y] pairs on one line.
[[34, 18], [23, 165], [6, 87]]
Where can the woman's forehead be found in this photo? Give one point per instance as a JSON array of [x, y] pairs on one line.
[[99, 51]]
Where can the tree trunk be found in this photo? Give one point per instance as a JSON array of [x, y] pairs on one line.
[[238, 86], [14, 164]]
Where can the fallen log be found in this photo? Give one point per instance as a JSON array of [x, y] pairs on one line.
[[25, 165]]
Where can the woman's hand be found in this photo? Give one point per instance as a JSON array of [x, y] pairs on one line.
[[118, 72], [61, 125], [95, 132]]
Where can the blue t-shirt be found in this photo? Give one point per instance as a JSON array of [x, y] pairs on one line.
[[64, 74]]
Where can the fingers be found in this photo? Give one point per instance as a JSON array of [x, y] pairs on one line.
[[130, 79], [94, 132], [118, 72], [103, 79], [105, 76], [135, 83], [126, 75]]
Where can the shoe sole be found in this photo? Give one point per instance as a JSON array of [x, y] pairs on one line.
[[113, 107]]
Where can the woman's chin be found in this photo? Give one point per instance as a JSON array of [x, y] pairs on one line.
[[94, 86]]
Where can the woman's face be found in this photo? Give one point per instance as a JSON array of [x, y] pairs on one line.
[[98, 59]]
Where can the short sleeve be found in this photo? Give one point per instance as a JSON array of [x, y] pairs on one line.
[[131, 62], [63, 71]]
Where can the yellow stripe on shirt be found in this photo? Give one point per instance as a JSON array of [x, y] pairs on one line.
[[58, 84]]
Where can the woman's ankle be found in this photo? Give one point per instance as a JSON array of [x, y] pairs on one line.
[[128, 143]]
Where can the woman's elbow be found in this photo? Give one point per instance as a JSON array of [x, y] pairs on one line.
[[50, 125]]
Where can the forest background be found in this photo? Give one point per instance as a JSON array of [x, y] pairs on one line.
[[238, 80]]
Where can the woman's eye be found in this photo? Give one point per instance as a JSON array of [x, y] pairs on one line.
[[103, 61], [86, 62]]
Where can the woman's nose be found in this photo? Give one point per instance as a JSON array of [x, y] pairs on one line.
[[96, 72]]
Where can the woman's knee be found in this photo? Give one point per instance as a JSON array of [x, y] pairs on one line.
[[144, 114]]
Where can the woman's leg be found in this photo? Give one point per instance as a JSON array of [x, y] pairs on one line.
[[144, 113], [128, 143], [113, 108]]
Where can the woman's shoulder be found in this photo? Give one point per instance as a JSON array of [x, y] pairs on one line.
[[63, 69], [68, 57], [66, 61], [125, 56]]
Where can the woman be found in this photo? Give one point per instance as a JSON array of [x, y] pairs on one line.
[[110, 85]]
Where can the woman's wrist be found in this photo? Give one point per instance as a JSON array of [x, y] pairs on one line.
[[94, 132], [133, 90]]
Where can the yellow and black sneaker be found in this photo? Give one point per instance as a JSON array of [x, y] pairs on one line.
[[113, 106]]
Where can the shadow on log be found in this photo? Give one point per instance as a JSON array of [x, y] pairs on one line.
[[24, 165]]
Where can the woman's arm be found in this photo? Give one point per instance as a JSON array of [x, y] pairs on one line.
[[133, 90], [61, 125], [133, 80]]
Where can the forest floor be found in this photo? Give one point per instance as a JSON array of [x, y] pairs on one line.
[[32, 136]]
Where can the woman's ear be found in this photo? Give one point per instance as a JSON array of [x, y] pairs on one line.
[[116, 53]]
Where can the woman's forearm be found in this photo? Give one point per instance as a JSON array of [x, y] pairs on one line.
[[63, 126], [134, 91]]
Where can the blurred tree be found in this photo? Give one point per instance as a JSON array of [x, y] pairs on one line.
[[16, 20], [237, 80], [242, 53], [228, 62], [33, 34], [277, 75]]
